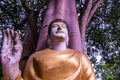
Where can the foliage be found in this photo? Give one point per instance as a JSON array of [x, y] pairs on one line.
[[11, 13], [104, 40], [102, 35]]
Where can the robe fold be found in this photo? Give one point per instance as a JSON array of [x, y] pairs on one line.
[[51, 64]]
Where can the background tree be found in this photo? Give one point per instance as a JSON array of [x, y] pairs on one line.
[[103, 40], [102, 32]]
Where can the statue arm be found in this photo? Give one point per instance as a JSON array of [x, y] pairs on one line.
[[88, 72], [32, 69]]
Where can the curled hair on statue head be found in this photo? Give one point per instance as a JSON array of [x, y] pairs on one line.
[[56, 20]]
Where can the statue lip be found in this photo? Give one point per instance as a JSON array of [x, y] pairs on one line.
[[59, 32]]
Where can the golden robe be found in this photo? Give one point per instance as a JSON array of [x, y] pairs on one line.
[[51, 64]]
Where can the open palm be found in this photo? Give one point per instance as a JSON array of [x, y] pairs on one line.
[[11, 47], [10, 54]]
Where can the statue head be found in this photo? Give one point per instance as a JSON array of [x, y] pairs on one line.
[[56, 20], [58, 30]]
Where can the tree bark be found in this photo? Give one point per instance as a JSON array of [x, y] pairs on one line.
[[31, 35], [86, 16], [49, 16], [64, 9]]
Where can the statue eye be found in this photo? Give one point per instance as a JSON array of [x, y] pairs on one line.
[[54, 26], [63, 26]]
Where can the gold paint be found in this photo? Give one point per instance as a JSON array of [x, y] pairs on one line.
[[58, 65]]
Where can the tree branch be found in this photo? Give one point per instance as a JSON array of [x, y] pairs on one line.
[[21, 24], [83, 23], [42, 4], [38, 9], [23, 2], [93, 10], [86, 13]]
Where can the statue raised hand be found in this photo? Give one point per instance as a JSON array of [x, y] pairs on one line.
[[10, 54]]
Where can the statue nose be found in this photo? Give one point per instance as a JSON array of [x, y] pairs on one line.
[[59, 28]]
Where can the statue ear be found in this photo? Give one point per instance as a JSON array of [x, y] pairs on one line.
[[67, 41], [48, 41]]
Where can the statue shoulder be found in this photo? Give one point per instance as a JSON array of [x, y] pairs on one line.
[[40, 53]]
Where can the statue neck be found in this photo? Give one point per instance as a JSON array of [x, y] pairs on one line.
[[59, 46]]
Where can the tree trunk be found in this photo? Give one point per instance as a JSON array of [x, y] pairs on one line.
[[64, 9], [30, 39], [31, 34]]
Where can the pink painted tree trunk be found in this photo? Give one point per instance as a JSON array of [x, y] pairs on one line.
[[66, 9]]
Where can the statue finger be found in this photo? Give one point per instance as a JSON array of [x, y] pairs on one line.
[[18, 46], [18, 43], [4, 49], [17, 38], [10, 40], [8, 35], [12, 34], [4, 42]]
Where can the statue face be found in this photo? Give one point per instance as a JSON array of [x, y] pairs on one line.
[[59, 31]]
